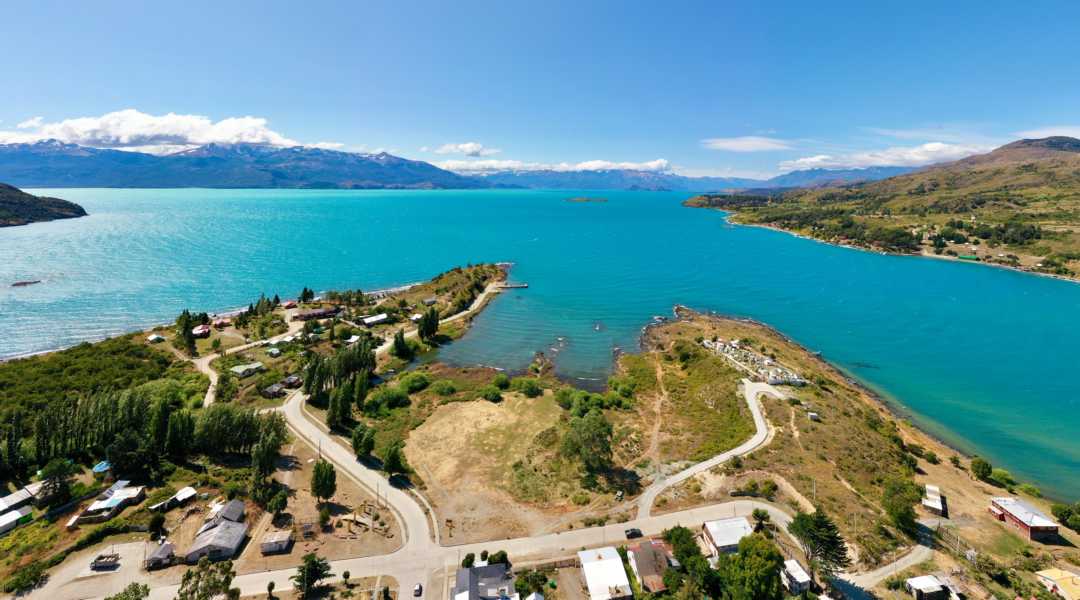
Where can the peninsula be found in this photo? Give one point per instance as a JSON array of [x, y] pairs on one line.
[[325, 424], [19, 208], [1018, 207]]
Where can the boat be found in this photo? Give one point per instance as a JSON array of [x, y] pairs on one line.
[[25, 283]]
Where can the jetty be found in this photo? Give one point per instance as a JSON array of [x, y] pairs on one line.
[[513, 286]]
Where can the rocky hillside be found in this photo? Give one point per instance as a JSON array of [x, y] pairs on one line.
[[19, 208]]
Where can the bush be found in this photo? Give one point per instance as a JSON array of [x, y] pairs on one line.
[[491, 393], [981, 468], [1030, 490], [444, 387], [413, 382], [528, 386], [501, 381]]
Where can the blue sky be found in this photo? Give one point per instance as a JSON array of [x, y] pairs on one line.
[[696, 87]]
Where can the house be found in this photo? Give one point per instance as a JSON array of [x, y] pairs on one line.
[[352, 340], [102, 467], [162, 556], [116, 500], [1063, 583], [415, 317], [13, 518], [935, 502], [273, 353], [487, 582], [430, 301], [276, 542], [20, 498], [795, 578], [723, 536], [649, 560], [233, 510], [221, 323], [221, 541], [1025, 517], [289, 304], [155, 338], [316, 313], [292, 381], [180, 498], [927, 587], [247, 370], [375, 319], [604, 574], [274, 391], [201, 331]]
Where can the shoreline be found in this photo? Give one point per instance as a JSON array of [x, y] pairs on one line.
[[732, 213], [891, 406]]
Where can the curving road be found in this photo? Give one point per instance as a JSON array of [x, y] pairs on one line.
[[751, 391]]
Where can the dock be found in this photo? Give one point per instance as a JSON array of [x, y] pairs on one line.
[[513, 286]]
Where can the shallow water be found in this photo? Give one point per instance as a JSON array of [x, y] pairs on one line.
[[980, 356]]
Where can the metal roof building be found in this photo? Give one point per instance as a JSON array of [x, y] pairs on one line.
[[604, 574], [220, 542]]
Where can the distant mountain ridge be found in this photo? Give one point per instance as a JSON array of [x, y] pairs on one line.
[[56, 164], [19, 208], [52, 163]]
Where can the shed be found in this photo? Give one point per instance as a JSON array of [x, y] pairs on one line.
[[927, 587], [155, 338], [20, 498], [13, 518], [795, 578], [201, 331], [604, 574], [102, 467], [220, 542], [375, 319], [233, 511], [276, 542], [1025, 517], [430, 301], [934, 501], [273, 353], [1061, 582], [162, 556], [292, 381], [275, 390]]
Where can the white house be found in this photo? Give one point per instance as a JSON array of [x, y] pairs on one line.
[[604, 574], [795, 578], [723, 535], [375, 319]]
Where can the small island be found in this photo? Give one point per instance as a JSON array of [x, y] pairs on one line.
[[19, 208], [586, 199]]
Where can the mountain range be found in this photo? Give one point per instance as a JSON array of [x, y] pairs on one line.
[[52, 163]]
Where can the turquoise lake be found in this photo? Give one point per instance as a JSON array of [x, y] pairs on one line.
[[985, 358]]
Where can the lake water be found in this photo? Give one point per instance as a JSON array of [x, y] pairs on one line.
[[986, 358]]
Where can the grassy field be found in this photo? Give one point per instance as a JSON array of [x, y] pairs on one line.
[[1018, 206]]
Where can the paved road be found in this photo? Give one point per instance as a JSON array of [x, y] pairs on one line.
[[751, 391]]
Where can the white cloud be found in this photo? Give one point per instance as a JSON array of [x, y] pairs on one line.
[[746, 143], [899, 156], [131, 129], [478, 167], [1067, 130], [467, 148], [31, 123]]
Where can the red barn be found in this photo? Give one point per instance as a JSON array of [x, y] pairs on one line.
[[1025, 517]]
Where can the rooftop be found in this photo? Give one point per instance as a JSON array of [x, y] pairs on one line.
[[1024, 512], [604, 573], [728, 532], [487, 581], [924, 583], [796, 571]]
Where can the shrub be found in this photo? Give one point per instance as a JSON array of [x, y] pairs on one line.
[[1030, 490], [981, 468], [501, 381], [444, 387], [528, 386], [491, 393], [413, 382]]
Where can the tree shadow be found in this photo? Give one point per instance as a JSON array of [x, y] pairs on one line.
[[624, 480]]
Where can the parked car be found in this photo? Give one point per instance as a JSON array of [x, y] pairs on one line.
[[418, 591], [633, 533]]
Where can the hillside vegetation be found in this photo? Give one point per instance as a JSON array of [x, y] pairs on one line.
[[19, 208], [1017, 206]]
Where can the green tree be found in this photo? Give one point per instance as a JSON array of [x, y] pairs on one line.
[[821, 542], [323, 480], [310, 574], [264, 457], [206, 581], [981, 468], [401, 347], [56, 481], [157, 525], [589, 440], [428, 327], [278, 503], [468, 561], [761, 518], [363, 440], [180, 435], [394, 459], [899, 499], [530, 581], [753, 573], [134, 591], [501, 381]]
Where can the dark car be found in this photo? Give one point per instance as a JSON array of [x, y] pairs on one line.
[[633, 533], [418, 591]]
